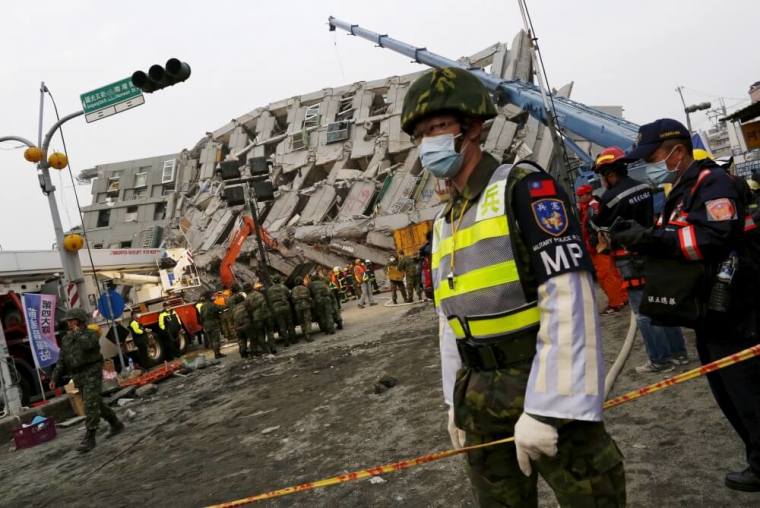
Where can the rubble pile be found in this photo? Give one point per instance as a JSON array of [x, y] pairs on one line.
[[347, 175]]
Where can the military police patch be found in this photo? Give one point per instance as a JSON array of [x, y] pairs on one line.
[[550, 215]]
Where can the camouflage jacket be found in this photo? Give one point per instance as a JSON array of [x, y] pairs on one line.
[[79, 349], [257, 306], [241, 315], [278, 295], [210, 313], [319, 290], [301, 297]]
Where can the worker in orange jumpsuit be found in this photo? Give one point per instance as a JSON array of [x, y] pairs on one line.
[[607, 274]]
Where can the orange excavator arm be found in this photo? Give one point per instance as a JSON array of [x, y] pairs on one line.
[[233, 251]]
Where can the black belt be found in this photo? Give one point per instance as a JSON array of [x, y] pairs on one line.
[[498, 353]]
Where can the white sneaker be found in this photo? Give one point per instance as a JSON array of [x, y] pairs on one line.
[[651, 367]]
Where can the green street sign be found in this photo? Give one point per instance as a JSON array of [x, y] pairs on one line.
[[111, 99]]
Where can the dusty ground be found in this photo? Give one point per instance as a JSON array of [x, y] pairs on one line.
[[243, 428]]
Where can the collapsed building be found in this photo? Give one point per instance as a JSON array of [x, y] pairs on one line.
[[346, 175]]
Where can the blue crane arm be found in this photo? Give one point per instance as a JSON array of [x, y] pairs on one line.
[[596, 126]]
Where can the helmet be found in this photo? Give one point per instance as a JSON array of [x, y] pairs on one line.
[[258, 285], [392, 259], [449, 89], [583, 190], [78, 314], [608, 157], [753, 185], [367, 261], [276, 279], [336, 269]]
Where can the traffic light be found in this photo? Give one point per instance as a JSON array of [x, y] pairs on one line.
[[159, 77]]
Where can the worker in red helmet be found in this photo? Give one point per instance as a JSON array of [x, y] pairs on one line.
[[606, 274]]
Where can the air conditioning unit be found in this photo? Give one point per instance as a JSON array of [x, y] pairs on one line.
[[338, 131], [234, 195], [130, 217]]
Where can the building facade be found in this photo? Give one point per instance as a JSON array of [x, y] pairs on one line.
[[130, 200]]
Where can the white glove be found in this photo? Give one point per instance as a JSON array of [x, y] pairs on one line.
[[455, 433], [533, 439]]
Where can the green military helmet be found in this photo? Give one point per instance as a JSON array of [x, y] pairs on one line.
[[276, 279], [78, 314], [446, 90]]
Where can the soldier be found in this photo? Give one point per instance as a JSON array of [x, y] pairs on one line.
[[211, 321], [279, 299], [396, 278], [323, 308], [302, 303], [501, 296], [260, 315], [81, 359], [412, 270], [243, 327], [228, 321]]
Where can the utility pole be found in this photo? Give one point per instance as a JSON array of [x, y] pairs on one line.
[[679, 89]]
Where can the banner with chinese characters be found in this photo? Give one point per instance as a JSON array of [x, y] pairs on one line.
[[39, 311]]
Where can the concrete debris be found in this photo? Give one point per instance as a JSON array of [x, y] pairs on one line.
[[388, 381], [376, 480], [146, 390], [124, 402], [347, 176], [269, 430]]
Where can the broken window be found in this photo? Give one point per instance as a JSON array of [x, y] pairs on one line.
[[311, 118], [160, 211], [338, 131], [167, 189], [141, 193], [345, 107], [104, 218], [131, 214], [141, 178], [380, 104], [167, 174], [112, 187]]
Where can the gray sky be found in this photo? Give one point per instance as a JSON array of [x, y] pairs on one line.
[[246, 54]]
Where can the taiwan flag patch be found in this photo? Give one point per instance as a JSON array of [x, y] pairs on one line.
[[542, 189]]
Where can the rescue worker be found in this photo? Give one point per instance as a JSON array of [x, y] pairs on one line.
[[211, 320], [201, 336], [607, 275], [323, 307], [396, 278], [243, 327], [80, 358], [278, 296], [629, 199], [260, 316], [228, 321], [411, 270], [335, 285], [362, 279], [140, 339], [370, 269], [703, 221], [511, 276], [170, 326], [344, 283], [302, 303]]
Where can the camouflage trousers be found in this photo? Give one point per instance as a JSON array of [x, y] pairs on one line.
[[397, 285], [587, 470], [285, 329], [413, 286], [228, 326], [90, 382], [214, 338], [323, 310], [304, 319]]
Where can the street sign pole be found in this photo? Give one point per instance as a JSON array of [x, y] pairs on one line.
[[112, 320], [111, 99]]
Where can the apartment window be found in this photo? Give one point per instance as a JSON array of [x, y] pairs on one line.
[[131, 214], [160, 211], [104, 218], [101, 197], [141, 193], [167, 175], [141, 178], [112, 188], [167, 189], [311, 119], [126, 245]]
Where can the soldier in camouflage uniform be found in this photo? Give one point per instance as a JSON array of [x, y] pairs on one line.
[[227, 318], [302, 302], [410, 266], [80, 358], [520, 336], [260, 316], [211, 321], [243, 327], [279, 299], [323, 304]]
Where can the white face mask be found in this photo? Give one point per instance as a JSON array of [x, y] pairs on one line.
[[438, 155], [658, 172]]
